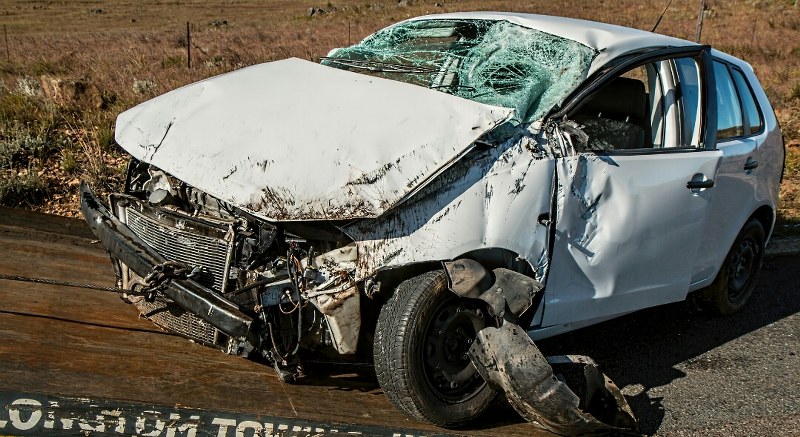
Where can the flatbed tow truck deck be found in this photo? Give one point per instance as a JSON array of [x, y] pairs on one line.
[[75, 360]]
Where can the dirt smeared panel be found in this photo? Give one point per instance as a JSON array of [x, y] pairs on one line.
[[373, 176], [324, 143], [479, 202], [582, 401]]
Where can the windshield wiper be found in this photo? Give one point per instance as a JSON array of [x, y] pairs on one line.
[[381, 67], [453, 85]]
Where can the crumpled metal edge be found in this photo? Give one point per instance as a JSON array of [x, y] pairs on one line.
[[509, 360]]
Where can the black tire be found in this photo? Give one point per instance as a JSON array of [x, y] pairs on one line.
[[421, 339], [739, 273]]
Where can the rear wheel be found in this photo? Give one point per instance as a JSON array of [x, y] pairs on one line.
[[739, 273], [421, 341]]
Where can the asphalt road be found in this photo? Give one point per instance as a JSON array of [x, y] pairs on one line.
[[684, 372]]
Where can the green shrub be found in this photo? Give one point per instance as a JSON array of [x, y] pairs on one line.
[[792, 165], [16, 107], [104, 135], [795, 92], [26, 190], [173, 61], [19, 145], [69, 162]]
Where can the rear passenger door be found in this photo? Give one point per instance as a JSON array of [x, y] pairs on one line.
[[632, 201], [738, 121]]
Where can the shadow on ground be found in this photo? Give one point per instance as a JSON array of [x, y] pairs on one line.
[[787, 226], [645, 347]]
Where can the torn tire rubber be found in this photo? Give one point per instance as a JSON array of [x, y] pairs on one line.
[[739, 273], [421, 349]]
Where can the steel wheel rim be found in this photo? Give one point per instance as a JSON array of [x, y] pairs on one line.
[[740, 273], [448, 371]]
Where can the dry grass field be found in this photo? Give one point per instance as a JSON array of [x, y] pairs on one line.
[[67, 68]]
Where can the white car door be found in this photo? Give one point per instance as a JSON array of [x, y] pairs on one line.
[[632, 202], [739, 124]]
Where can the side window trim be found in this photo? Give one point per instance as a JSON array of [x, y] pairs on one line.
[[695, 131], [669, 86], [709, 132], [747, 133], [748, 124], [727, 68]]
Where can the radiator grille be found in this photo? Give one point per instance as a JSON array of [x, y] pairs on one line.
[[195, 244], [172, 317], [186, 247]]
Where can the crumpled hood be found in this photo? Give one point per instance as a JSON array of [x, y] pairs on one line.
[[295, 140]]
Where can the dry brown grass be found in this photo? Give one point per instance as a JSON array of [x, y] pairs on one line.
[[112, 45]]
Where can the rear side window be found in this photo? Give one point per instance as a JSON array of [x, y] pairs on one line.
[[753, 119], [689, 80], [729, 112]]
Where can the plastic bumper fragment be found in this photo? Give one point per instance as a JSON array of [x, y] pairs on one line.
[[509, 360]]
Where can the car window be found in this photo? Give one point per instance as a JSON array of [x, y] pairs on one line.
[[689, 101], [653, 106], [729, 112], [754, 121], [489, 61], [618, 115]]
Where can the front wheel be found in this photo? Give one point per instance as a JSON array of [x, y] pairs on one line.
[[421, 341], [739, 273]]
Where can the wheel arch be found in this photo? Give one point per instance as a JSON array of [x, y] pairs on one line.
[[491, 258], [391, 277], [765, 214]]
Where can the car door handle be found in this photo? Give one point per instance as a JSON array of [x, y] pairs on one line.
[[750, 164], [693, 185]]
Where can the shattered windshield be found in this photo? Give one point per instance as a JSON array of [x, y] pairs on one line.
[[492, 62]]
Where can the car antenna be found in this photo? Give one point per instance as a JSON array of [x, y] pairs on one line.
[[661, 16]]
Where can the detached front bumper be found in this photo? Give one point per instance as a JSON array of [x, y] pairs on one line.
[[123, 244]]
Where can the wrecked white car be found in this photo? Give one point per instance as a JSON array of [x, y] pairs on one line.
[[420, 196]]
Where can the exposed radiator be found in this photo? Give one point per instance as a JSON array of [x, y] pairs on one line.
[[172, 317], [189, 248], [191, 242]]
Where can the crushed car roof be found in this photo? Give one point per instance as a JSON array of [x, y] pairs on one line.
[[609, 40]]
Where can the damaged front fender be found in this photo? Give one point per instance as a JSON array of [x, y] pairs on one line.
[[338, 297], [509, 360], [499, 288]]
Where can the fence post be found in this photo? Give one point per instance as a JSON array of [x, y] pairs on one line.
[[5, 35], [188, 46], [700, 15]]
